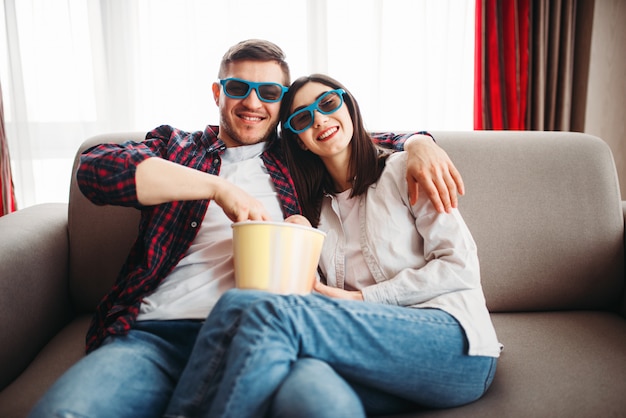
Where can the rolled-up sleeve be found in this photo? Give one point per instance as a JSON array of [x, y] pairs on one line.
[[395, 141], [106, 173]]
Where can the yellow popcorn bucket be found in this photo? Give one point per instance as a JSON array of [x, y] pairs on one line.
[[277, 257]]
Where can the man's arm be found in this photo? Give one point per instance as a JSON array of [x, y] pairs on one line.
[[133, 174], [428, 167], [159, 181]]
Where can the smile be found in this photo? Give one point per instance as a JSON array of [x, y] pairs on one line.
[[251, 118], [327, 133]]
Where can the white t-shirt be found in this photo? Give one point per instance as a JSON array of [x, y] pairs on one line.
[[206, 271]]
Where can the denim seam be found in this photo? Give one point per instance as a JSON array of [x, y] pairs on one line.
[[295, 302], [216, 362], [489, 377], [270, 319]]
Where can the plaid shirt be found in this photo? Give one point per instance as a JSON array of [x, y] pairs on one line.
[[106, 176]]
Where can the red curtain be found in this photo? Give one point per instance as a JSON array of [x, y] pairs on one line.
[[524, 64], [502, 68], [7, 200]]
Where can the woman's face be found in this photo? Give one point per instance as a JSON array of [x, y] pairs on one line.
[[330, 135]]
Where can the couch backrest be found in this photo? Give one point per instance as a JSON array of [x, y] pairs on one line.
[[545, 211], [100, 236], [544, 208]]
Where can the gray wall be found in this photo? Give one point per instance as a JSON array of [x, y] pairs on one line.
[[605, 114]]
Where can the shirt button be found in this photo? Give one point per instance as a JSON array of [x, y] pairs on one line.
[[194, 224]]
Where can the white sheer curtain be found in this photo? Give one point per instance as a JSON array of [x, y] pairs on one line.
[[77, 68]]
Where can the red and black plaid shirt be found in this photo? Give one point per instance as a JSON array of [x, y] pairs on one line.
[[106, 176]]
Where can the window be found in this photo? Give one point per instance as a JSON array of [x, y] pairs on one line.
[[74, 69]]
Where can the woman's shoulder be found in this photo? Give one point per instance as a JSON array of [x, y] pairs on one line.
[[394, 177], [394, 172], [396, 163]]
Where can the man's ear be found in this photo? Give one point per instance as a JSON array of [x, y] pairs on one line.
[[216, 93]]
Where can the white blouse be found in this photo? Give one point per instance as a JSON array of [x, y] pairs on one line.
[[416, 256]]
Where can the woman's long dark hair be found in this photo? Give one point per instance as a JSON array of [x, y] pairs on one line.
[[310, 176]]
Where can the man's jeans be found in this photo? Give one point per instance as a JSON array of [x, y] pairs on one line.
[[133, 376], [391, 356], [129, 376]]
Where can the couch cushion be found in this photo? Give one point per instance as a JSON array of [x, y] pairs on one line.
[[559, 364]]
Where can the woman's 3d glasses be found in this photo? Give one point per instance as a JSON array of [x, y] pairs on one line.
[[328, 103], [236, 88]]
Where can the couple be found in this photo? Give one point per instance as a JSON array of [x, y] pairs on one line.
[[148, 335]]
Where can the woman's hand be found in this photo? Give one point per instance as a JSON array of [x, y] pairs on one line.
[[430, 168], [336, 293], [298, 219]]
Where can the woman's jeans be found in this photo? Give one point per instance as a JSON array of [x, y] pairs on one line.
[[392, 357]]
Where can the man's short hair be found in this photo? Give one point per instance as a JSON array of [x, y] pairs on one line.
[[255, 50]]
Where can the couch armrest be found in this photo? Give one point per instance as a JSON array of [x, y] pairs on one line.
[[34, 301]]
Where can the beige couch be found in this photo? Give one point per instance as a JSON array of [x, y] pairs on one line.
[[544, 208]]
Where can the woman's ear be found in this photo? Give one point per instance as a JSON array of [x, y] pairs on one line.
[[301, 144], [216, 93]]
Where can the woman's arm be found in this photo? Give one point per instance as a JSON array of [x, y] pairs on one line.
[[452, 265], [442, 259], [419, 253]]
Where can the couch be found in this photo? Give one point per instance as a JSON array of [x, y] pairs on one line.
[[546, 213]]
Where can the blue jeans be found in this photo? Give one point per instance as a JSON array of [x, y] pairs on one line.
[[128, 376], [135, 375], [313, 389], [399, 356]]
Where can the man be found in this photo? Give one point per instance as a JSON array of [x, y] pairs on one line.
[[144, 330]]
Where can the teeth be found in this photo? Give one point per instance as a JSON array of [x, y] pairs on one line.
[[251, 118], [327, 133]]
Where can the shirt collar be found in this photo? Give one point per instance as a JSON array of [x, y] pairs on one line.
[[211, 140]]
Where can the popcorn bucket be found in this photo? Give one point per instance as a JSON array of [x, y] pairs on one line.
[[277, 257]]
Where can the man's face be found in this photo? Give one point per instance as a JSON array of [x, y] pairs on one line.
[[248, 121]]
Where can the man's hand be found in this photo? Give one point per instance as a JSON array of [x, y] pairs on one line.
[[336, 293], [430, 168], [237, 204]]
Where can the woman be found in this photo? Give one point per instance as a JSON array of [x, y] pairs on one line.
[[401, 319]]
